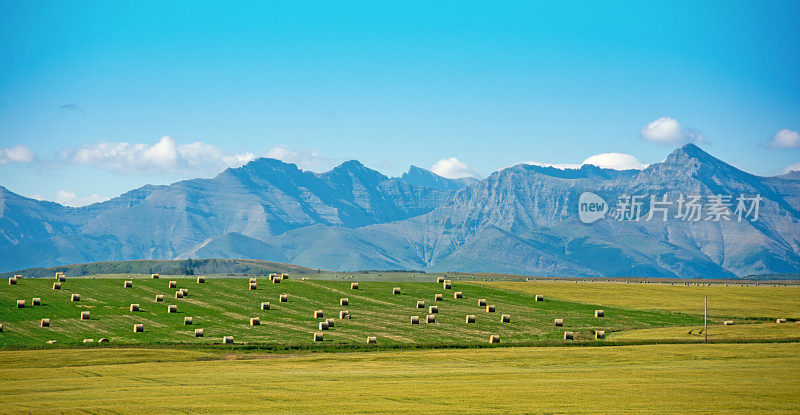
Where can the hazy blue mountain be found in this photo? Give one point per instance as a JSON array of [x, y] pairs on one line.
[[418, 176], [522, 219], [263, 198], [235, 245]]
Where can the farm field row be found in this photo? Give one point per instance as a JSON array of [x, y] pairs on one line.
[[763, 302], [224, 307], [698, 378]]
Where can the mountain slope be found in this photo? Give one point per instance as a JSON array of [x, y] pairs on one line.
[[263, 198], [424, 178]]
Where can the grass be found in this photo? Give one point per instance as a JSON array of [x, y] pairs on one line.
[[224, 306], [413, 368], [733, 301], [715, 378], [716, 332]]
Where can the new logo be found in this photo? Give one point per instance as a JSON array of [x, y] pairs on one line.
[[591, 207]]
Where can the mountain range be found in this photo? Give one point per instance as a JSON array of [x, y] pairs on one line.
[[523, 219]]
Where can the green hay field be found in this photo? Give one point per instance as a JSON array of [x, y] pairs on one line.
[[224, 306]]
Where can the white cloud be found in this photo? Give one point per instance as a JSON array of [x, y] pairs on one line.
[[616, 161], [165, 156], [306, 160], [793, 167], [785, 139], [16, 154], [453, 168], [69, 198], [667, 131]]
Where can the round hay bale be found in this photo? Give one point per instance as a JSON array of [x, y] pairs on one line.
[[490, 308], [559, 322], [372, 340], [154, 276], [414, 319], [318, 314], [134, 307], [172, 308], [201, 280], [395, 291], [12, 281], [188, 321], [482, 302], [330, 322], [173, 284], [344, 301], [599, 313], [253, 281], [56, 285], [88, 340], [728, 322], [20, 303], [439, 280], [505, 318], [265, 306], [494, 338], [199, 332], [284, 298], [284, 276], [85, 315], [138, 328], [128, 284], [45, 322], [438, 297], [179, 294], [780, 320], [539, 297], [317, 337], [159, 298], [420, 304], [353, 285], [255, 321], [447, 285], [344, 314], [1, 328], [60, 277], [253, 286], [599, 334], [103, 340], [568, 335], [75, 297], [433, 309], [430, 318], [276, 281], [185, 292], [458, 294], [227, 340], [323, 325], [36, 301], [470, 318]]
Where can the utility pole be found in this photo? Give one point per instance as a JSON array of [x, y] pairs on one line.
[[705, 319]]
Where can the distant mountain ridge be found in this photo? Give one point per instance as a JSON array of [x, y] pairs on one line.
[[522, 219]]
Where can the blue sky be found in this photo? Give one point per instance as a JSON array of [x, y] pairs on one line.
[[89, 90]]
